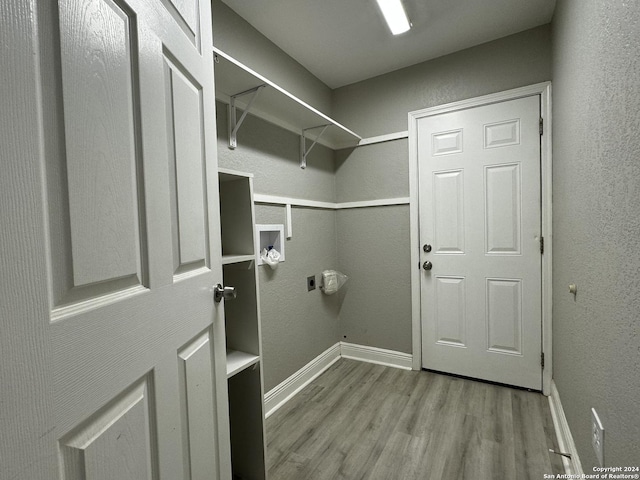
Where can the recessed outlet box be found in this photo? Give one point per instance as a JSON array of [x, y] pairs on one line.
[[270, 236], [311, 283], [597, 436]]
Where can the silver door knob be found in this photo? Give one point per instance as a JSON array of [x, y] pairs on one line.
[[427, 265], [426, 248], [220, 292]]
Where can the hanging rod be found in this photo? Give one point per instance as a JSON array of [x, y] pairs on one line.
[[234, 125], [303, 143]]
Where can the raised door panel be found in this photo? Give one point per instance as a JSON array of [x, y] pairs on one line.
[[448, 228], [186, 15], [504, 315], [450, 311], [197, 406], [101, 245], [188, 10], [503, 209], [502, 134], [117, 442], [187, 168], [446, 143]]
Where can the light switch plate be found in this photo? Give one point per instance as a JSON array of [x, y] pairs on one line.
[[597, 436]]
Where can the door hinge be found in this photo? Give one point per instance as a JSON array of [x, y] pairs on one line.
[[541, 245], [542, 359], [541, 125]]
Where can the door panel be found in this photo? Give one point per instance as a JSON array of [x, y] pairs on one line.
[[479, 174], [117, 442], [100, 248], [502, 209], [102, 124], [504, 315], [451, 315], [448, 225], [186, 15], [135, 354], [186, 169], [198, 426]]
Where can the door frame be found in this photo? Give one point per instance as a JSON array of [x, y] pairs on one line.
[[544, 90]]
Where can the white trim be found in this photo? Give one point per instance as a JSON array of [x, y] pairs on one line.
[[383, 138], [536, 89], [60, 313], [381, 356], [547, 234], [229, 259], [288, 221], [235, 173], [414, 231], [383, 202], [300, 202], [565, 439], [282, 393], [544, 90]]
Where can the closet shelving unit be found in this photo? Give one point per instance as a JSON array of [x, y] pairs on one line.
[[246, 91], [242, 326], [243, 88]]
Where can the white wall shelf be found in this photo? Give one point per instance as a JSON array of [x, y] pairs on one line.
[[229, 259], [237, 361], [275, 104], [300, 202]]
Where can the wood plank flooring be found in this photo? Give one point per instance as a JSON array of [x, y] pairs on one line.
[[364, 421]]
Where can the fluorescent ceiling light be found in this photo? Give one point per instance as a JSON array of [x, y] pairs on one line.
[[395, 16]]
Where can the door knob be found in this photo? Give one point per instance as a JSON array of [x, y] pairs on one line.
[[427, 265], [220, 292], [426, 248]]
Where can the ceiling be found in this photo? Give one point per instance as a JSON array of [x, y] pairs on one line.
[[345, 41]]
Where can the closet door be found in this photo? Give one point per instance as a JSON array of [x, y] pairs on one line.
[[116, 363]]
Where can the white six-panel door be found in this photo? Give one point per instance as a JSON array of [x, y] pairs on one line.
[[479, 180], [124, 250]]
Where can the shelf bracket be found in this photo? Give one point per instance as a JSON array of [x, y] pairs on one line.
[[234, 125], [303, 143]]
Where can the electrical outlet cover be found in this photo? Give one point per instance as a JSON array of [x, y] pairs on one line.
[[311, 283], [597, 436]]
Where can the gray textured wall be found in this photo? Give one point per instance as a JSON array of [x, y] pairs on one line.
[[374, 250], [379, 106], [297, 325], [596, 217], [373, 171], [235, 36]]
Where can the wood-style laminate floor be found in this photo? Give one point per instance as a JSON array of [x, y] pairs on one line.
[[365, 421]]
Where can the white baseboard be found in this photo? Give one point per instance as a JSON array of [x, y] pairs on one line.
[[565, 439], [282, 393], [380, 356]]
